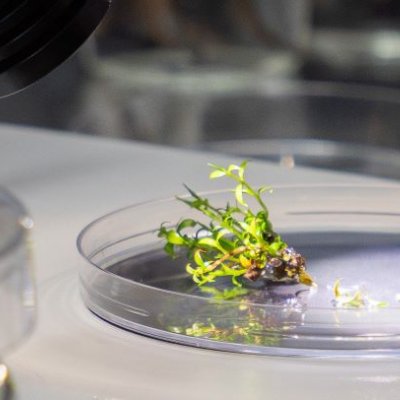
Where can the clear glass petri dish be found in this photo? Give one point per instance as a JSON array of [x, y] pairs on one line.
[[347, 234], [17, 301]]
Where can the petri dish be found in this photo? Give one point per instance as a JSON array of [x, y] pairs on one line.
[[346, 233]]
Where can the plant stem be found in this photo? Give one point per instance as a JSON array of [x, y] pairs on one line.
[[235, 252]]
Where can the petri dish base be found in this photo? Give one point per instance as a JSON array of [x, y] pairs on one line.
[[347, 234]]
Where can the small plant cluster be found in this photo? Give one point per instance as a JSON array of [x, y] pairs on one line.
[[356, 298], [236, 242]]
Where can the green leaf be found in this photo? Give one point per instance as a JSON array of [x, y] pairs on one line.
[[189, 269], [162, 232], [253, 227], [186, 223], [263, 189], [239, 195], [228, 245], [221, 233], [216, 166], [169, 249], [174, 238], [196, 280], [233, 167], [192, 192], [198, 259], [217, 174], [210, 242], [244, 261], [275, 247], [235, 281], [242, 168]]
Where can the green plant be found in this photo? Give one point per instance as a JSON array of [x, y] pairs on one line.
[[237, 241], [354, 298]]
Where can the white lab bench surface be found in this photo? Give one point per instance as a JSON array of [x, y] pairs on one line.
[[66, 180]]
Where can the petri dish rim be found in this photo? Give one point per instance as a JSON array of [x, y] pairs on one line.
[[86, 230], [314, 332]]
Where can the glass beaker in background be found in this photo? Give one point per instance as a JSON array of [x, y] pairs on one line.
[[17, 300]]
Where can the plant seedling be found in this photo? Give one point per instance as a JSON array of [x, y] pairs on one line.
[[236, 242], [356, 298]]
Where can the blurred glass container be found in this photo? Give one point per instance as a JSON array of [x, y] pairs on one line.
[[325, 154], [159, 95], [16, 282], [202, 24], [289, 20], [370, 55], [194, 107], [340, 127]]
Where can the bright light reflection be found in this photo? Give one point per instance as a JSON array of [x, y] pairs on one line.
[[3, 374]]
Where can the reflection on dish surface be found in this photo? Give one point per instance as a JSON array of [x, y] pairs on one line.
[[277, 315]]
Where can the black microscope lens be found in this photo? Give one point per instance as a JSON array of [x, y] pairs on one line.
[[37, 35]]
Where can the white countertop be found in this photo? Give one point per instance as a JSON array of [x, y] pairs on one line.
[[67, 180]]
